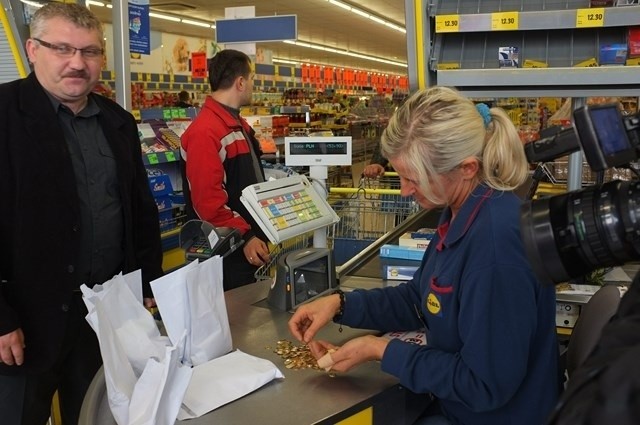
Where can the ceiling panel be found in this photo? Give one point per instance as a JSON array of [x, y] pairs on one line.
[[318, 22]]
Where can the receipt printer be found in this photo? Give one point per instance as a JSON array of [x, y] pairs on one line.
[[201, 240]]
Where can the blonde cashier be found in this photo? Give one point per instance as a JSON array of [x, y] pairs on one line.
[[491, 353]]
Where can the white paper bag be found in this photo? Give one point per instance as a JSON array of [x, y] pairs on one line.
[[142, 372], [225, 379]]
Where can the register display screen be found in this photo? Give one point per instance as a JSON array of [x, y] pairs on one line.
[[318, 148], [311, 279]]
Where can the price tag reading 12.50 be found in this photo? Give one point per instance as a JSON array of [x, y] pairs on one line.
[[447, 23], [504, 21], [590, 17]]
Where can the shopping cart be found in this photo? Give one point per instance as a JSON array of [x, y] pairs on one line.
[[366, 213], [268, 270]]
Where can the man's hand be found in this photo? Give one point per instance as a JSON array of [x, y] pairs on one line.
[[373, 170], [12, 348], [256, 251]]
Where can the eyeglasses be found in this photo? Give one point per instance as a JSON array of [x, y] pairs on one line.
[[67, 51]]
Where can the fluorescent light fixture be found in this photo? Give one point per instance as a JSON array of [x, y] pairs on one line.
[[364, 14], [32, 3], [165, 17], [95, 3], [376, 19], [340, 4], [345, 52], [285, 61], [360, 12], [196, 23]]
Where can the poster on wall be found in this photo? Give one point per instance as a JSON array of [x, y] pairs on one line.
[[177, 50], [199, 65], [139, 29]]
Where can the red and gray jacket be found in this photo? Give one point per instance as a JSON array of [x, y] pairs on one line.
[[217, 163]]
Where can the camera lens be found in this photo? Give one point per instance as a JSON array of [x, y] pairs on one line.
[[570, 235]]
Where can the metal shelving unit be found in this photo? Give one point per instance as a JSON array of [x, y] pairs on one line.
[[554, 32]]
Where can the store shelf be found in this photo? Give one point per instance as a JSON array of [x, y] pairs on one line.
[[557, 82], [160, 157], [542, 20], [556, 38]]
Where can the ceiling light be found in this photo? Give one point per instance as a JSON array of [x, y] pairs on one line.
[[362, 13], [345, 53], [165, 17], [95, 3], [285, 61], [32, 3], [340, 4], [376, 19], [196, 23], [359, 12]]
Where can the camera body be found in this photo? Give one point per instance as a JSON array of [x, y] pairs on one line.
[[570, 235]]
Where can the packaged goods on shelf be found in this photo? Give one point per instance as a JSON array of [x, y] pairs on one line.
[[633, 42], [613, 54], [508, 57]]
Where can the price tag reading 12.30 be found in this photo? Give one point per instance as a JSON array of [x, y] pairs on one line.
[[504, 21], [590, 17], [447, 23]]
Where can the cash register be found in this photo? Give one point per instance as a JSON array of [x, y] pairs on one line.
[[201, 240]]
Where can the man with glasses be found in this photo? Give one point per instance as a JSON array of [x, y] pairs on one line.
[[76, 209], [220, 157]]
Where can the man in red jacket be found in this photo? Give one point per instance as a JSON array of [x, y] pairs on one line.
[[221, 156]]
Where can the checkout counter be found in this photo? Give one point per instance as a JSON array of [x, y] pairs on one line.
[[365, 395]]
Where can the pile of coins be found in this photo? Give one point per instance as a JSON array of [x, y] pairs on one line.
[[295, 356]]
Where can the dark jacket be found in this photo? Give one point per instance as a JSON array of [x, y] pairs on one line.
[[39, 216]]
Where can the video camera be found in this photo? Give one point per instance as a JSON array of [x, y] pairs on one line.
[[569, 235]]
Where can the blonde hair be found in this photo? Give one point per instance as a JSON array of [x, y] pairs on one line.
[[75, 13], [437, 128]]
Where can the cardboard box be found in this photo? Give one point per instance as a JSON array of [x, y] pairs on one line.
[[160, 185], [401, 252], [633, 43], [613, 54], [163, 202], [397, 269], [407, 241]]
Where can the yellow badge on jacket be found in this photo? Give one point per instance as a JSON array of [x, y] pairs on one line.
[[433, 304]]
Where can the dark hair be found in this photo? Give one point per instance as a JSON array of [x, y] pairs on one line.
[[184, 96], [226, 66]]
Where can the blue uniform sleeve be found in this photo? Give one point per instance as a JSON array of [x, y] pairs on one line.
[[497, 323]]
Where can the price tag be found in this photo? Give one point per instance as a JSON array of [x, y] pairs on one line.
[[590, 17], [452, 65], [136, 114], [140, 77], [148, 77], [171, 157], [153, 158], [504, 21], [166, 114], [447, 23]]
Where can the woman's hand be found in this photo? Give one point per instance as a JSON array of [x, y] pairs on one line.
[[310, 318], [357, 351]]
